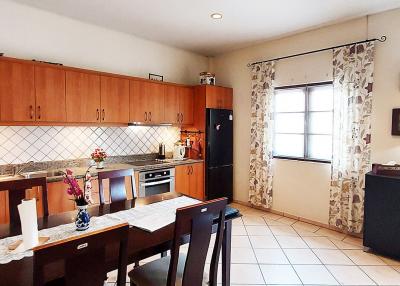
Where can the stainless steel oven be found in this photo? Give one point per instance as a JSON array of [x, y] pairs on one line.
[[156, 182]]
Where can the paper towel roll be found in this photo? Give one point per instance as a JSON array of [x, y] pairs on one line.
[[29, 226]]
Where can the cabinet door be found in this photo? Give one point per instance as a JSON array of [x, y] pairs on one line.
[[50, 94], [212, 97], [114, 99], [218, 97], [171, 103], [17, 92], [82, 97], [186, 99], [58, 199], [4, 216], [137, 102], [197, 181], [154, 93], [227, 98], [182, 180]]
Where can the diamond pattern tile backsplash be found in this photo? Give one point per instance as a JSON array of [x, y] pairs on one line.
[[20, 144]]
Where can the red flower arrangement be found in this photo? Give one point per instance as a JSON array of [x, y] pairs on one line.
[[99, 155], [81, 198]]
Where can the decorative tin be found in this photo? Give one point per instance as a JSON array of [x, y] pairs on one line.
[[207, 78]]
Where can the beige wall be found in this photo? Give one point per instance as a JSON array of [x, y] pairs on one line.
[[302, 188], [31, 33]]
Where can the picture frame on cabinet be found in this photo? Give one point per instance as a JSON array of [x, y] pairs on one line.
[[156, 77]]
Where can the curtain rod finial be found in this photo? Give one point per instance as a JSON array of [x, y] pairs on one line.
[[382, 39]]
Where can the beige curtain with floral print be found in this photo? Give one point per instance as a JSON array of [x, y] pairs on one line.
[[353, 68], [261, 131]]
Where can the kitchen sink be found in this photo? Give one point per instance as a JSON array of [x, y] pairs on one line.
[[28, 175], [10, 177]]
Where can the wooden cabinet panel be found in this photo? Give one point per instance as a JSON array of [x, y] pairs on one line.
[[82, 97], [137, 102], [4, 216], [114, 100], [172, 99], [197, 181], [17, 92], [186, 100], [219, 97], [58, 199], [182, 180], [147, 102], [50, 94]]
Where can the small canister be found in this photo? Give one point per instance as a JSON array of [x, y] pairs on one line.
[[207, 78]]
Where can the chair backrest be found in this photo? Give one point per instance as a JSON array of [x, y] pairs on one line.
[[198, 221], [84, 257], [16, 193], [116, 184]]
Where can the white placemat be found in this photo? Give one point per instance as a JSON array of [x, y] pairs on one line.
[[149, 217]]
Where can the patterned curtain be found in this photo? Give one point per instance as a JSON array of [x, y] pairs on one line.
[[353, 68], [261, 131]]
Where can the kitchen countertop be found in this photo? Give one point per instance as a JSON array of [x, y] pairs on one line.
[[79, 172]]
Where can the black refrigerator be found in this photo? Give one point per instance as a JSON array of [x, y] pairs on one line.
[[219, 155]]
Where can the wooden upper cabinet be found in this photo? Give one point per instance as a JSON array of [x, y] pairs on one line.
[[50, 94], [146, 102], [17, 91], [172, 99], [82, 97], [114, 100], [186, 101], [218, 97]]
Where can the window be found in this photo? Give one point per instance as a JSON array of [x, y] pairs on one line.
[[303, 122]]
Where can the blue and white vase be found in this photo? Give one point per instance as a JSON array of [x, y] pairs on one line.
[[82, 218]]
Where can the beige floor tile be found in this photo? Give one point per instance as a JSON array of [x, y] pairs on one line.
[[258, 230], [270, 256], [238, 230], [291, 242], [279, 274], [315, 274], [353, 240], [268, 241], [349, 275], [285, 230], [332, 256], [301, 256], [319, 242], [241, 241], [331, 233], [243, 255], [287, 220], [344, 245], [305, 226], [382, 275], [360, 257], [306, 233], [397, 268], [246, 274], [390, 261], [237, 221], [253, 220], [272, 216], [273, 222]]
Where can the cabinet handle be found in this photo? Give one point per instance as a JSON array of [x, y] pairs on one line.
[[191, 170], [181, 117], [177, 117], [31, 111], [145, 116], [97, 114], [104, 114], [188, 170], [150, 116], [39, 113]]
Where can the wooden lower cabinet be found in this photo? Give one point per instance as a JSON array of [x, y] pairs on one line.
[[189, 180]]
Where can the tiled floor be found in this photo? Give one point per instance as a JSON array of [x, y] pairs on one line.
[[268, 249]]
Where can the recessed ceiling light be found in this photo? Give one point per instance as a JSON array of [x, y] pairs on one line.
[[216, 16]]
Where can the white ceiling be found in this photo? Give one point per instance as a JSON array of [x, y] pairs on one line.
[[187, 24]]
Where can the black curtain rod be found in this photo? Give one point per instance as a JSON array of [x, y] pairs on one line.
[[381, 39]]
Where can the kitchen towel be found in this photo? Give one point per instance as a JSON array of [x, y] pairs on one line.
[[29, 226]]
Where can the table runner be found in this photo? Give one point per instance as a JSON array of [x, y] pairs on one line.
[[148, 217]]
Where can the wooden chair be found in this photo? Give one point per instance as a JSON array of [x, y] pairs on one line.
[[117, 184], [181, 269], [16, 193], [84, 258]]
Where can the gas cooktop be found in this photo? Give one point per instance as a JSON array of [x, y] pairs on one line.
[[144, 163]]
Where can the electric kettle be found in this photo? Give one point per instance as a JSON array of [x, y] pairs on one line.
[[179, 152]]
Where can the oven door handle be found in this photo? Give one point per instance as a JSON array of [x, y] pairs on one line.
[[156, 183]]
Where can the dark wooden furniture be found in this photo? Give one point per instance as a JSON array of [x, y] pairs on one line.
[[141, 244], [16, 193], [117, 184], [83, 256], [382, 214], [181, 269]]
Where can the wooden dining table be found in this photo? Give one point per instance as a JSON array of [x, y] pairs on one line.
[[141, 244]]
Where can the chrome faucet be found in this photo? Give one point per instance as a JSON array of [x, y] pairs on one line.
[[17, 171]]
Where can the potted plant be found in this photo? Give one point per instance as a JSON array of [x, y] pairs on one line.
[[81, 198], [99, 155]]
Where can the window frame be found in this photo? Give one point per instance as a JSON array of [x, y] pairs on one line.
[[305, 87]]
